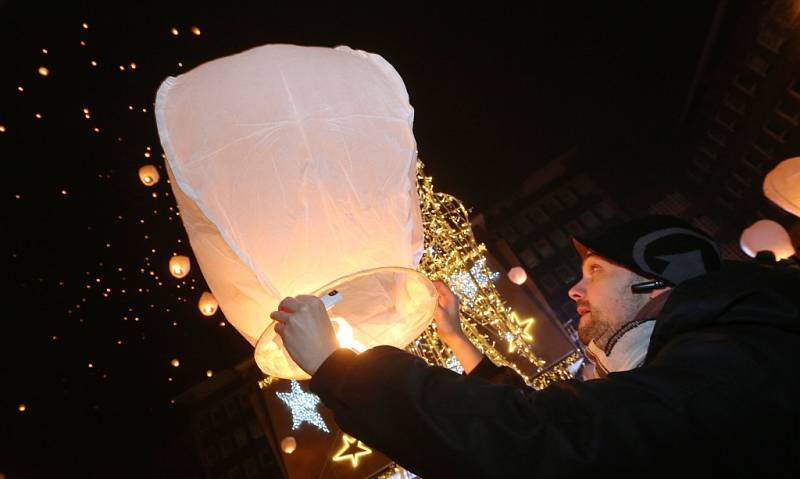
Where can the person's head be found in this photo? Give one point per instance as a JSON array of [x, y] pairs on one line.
[[604, 300], [651, 249]]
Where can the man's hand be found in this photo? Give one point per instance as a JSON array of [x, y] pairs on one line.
[[306, 330], [446, 315]]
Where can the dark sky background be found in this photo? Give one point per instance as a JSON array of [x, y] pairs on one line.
[[497, 92]]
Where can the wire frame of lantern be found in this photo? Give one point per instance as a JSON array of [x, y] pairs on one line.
[[148, 174], [179, 266]]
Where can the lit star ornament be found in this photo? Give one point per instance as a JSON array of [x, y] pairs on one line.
[[525, 330], [356, 447], [303, 406]]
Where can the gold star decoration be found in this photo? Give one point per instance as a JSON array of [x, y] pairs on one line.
[[356, 447], [525, 326]]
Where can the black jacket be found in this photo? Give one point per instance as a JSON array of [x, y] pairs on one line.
[[717, 396]]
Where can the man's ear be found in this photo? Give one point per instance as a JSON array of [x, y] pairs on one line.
[[657, 292]]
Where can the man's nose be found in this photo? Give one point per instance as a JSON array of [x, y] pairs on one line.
[[577, 291]]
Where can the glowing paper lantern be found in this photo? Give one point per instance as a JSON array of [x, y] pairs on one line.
[[782, 185], [766, 235], [288, 444], [295, 172], [179, 266], [149, 175], [207, 304], [517, 275]]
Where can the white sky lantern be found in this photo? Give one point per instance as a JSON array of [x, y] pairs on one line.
[[766, 235], [295, 172], [207, 304], [149, 175], [179, 266], [782, 185], [517, 275]]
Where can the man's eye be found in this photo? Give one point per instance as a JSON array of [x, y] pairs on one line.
[[594, 268]]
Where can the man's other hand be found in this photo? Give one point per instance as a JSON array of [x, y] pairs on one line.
[[306, 330]]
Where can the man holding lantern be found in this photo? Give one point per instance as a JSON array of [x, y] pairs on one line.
[[696, 358]]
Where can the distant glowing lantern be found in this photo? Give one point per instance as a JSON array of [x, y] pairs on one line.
[[209, 373], [22, 408], [517, 275], [782, 185], [149, 175], [288, 444], [196, 30], [175, 363], [207, 304], [295, 172], [44, 71], [766, 235], [179, 266]]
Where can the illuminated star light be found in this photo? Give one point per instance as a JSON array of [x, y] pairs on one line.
[[303, 406], [525, 326], [353, 456]]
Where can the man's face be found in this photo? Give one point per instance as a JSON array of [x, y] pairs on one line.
[[604, 299]]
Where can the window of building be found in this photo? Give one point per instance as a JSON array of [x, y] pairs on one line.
[[523, 225], [537, 214], [718, 136], [544, 248], [565, 274], [701, 164], [583, 185], [754, 162], [770, 39], [225, 446], [727, 119], [548, 281], [255, 429], [211, 455], [509, 234], [241, 437], [566, 196], [590, 220], [758, 64], [553, 205], [735, 102], [217, 416], [746, 83], [529, 258], [742, 176], [235, 472], [251, 468], [733, 190], [794, 88], [574, 228], [709, 150], [776, 128], [558, 238], [789, 110], [764, 145]]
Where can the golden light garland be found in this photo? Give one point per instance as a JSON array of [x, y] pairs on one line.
[[454, 256]]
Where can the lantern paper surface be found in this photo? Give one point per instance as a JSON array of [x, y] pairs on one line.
[[295, 170], [766, 235], [782, 185]]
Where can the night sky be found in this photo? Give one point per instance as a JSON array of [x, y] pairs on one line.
[[93, 319]]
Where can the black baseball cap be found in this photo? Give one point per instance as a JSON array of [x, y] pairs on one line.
[[661, 247]]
